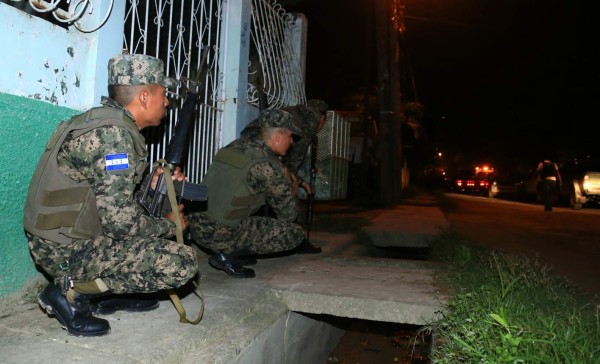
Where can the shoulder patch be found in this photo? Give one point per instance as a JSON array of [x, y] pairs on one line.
[[116, 162]]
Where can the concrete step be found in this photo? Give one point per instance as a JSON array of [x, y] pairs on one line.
[[274, 315]]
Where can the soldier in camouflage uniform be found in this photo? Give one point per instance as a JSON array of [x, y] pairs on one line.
[[244, 176], [309, 119], [84, 226]]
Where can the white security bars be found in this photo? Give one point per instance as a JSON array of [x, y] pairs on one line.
[[273, 48], [178, 31]]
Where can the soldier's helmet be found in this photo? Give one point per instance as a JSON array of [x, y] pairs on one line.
[[318, 105], [138, 69]]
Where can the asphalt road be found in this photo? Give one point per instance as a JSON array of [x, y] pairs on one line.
[[565, 239]]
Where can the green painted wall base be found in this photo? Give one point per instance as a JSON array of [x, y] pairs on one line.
[[26, 127]]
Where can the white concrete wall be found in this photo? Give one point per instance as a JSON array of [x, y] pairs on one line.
[[49, 63]]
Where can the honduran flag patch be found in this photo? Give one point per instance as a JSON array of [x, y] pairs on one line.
[[116, 162]]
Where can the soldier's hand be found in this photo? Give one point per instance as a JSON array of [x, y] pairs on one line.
[[178, 175], [307, 187], [171, 216], [154, 181]]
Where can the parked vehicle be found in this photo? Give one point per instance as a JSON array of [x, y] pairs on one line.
[[507, 184], [480, 182], [580, 184]]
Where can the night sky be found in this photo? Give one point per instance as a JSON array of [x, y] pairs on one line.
[[499, 78]]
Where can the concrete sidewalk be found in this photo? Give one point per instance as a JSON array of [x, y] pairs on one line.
[[281, 316]]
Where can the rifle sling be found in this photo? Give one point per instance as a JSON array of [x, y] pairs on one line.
[[179, 234]]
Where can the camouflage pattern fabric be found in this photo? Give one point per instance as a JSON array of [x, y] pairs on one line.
[[277, 118], [138, 69], [133, 265], [306, 120], [131, 254], [318, 105], [257, 234], [260, 235]]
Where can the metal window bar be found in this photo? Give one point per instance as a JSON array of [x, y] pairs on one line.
[[271, 34], [177, 32]]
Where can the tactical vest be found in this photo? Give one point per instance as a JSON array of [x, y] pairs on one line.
[[548, 170], [60, 209], [230, 205]]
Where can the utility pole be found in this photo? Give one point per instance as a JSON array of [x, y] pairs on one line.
[[385, 107], [366, 117], [390, 148], [394, 25]]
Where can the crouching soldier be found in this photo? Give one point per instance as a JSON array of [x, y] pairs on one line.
[[246, 175], [84, 226]]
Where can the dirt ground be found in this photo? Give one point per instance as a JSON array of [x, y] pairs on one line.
[[370, 342]]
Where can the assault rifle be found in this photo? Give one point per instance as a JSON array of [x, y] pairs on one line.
[[152, 200], [310, 197]]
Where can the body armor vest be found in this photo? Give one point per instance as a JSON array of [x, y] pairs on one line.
[[548, 170], [230, 205], [60, 209]]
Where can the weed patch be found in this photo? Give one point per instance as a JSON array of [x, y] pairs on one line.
[[510, 309]]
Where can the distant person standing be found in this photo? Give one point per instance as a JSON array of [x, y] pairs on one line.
[[547, 171]]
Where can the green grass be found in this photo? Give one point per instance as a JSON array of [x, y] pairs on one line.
[[503, 308], [510, 309]]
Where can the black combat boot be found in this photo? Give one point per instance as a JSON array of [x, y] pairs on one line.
[[307, 248], [244, 257], [230, 266], [123, 302], [76, 316]]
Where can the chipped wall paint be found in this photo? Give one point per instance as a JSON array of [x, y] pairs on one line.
[[48, 74], [64, 67], [45, 62]]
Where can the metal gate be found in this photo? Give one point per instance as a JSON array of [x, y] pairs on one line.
[[177, 32]]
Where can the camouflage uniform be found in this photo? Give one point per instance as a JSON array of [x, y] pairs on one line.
[[262, 179], [306, 119], [131, 253]]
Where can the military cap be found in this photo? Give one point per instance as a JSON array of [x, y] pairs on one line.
[[277, 118], [138, 69], [318, 105]]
